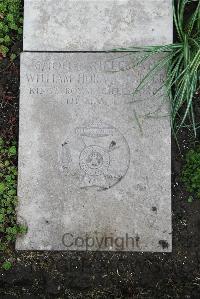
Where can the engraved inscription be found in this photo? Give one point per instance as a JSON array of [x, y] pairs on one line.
[[96, 83], [97, 155]]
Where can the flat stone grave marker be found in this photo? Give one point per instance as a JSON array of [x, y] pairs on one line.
[[79, 25], [94, 161]]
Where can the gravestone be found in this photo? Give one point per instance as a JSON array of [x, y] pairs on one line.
[[94, 161], [93, 25]]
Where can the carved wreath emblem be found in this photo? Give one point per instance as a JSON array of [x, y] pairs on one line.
[[97, 155]]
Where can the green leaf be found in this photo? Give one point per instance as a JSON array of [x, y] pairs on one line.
[[20, 30], [13, 57], [6, 163], [7, 265], [2, 218], [7, 39], [190, 199], [10, 18], [3, 50], [2, 187], [12, 150]]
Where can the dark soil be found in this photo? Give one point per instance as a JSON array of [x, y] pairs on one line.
[[105, 275]]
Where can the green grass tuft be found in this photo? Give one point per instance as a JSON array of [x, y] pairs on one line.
[[182, 62]]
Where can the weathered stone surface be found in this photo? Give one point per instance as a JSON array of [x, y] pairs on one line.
[[68, 25], [94, 161]]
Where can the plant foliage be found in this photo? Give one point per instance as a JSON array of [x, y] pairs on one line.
[[182, 62], [7, 265], [191, 172], [8, 195], [10, 24]]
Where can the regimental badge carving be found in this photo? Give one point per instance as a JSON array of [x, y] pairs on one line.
[[96, 155]]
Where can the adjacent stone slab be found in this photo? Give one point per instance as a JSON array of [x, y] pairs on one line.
[[94, 161], [78, 25]]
